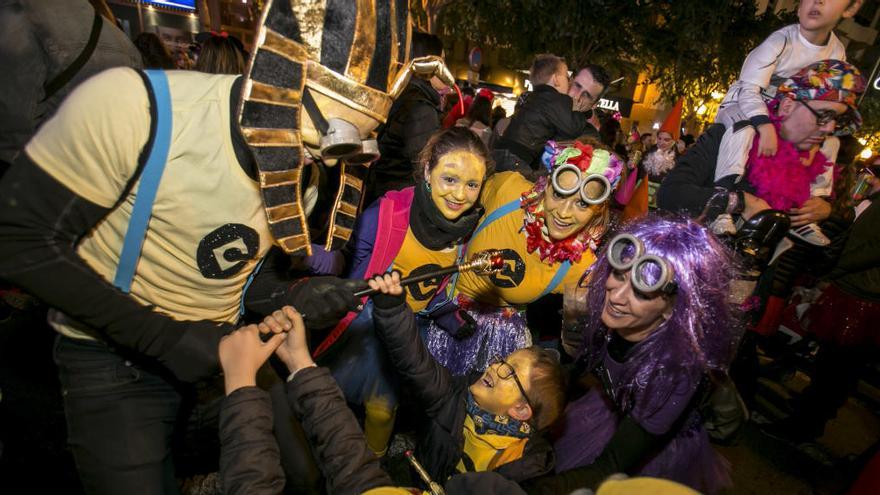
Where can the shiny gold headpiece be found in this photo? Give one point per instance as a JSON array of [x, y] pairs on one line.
[[319, 68]]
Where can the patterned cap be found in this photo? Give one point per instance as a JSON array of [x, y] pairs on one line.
[[828, 80]]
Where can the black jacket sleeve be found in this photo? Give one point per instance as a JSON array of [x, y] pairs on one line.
[[862, 248], [250, 461], [333, 431], [691, 183], [396, 327], [40, 223], [569, 124], [627, 449]]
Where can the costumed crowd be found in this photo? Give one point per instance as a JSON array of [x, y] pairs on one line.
[[316, 257]]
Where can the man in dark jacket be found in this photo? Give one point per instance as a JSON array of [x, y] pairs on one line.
[[250, 460], [811, 105], [413, 118], [547, 113]]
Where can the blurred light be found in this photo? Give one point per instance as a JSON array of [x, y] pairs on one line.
[[716, 95], [866, 153], [863, 141], [701, 110], [655, 126]]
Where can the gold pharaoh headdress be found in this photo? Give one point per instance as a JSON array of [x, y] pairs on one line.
[[316, 61]]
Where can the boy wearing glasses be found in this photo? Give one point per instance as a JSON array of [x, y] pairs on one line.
[[487, 422], [744, 111]]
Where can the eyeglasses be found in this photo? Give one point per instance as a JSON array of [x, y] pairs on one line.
[[823, 117], [505, 371]]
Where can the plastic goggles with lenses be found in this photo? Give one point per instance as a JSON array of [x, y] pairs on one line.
[[589, 195], [649, 273]]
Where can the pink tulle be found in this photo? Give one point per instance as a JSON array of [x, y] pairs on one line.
[[782, 180]]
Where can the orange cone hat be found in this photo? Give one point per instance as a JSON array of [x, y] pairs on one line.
[[672, 124]]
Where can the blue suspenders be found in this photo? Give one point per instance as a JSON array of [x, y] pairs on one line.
[[149, 183], [496, 214]]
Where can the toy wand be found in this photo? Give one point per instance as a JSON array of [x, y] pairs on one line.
[[482, 263]]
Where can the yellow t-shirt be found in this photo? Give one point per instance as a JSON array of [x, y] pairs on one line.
[[525, 276], [415, 259], [208, 228]]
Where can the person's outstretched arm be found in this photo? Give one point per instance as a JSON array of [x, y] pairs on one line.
[[250, 461], [396, 327], [341, 448]]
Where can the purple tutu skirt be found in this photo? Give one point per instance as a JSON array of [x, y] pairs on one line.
[[591, 421], [500, 330]]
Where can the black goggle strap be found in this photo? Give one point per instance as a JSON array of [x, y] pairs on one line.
[[581, 185], [320, 123]]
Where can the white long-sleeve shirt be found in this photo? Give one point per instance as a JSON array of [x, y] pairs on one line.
[[780, 56]]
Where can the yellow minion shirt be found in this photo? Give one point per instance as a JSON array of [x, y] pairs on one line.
[[415, 259], [208, 228], [524, 277]]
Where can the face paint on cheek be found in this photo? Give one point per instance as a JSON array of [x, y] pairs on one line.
[[456, 181]]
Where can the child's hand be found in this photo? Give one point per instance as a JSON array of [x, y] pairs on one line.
[[295, 351], [388, 283], [242, 353], [767, 143]]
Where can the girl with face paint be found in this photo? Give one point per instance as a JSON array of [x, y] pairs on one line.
[[547, 232], [415, 230], [658, 321]]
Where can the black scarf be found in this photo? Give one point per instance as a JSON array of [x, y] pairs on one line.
[[434, 230]]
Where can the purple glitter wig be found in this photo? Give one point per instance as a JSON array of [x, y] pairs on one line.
[[702, 333]]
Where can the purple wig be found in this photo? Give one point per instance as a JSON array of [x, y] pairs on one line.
[[702, 333]]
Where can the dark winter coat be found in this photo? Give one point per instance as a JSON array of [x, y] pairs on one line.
[[443, 398]]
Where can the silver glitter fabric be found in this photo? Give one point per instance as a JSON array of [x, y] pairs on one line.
[[500, 330]]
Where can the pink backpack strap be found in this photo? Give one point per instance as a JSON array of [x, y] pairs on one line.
[[391, 227]]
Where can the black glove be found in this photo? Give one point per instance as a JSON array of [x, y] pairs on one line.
[[195, 355], [323, 301]]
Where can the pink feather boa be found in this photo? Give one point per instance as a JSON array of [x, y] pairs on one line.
[[782, 180]]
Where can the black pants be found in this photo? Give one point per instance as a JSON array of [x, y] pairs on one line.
[[123, 418], [837, 373]]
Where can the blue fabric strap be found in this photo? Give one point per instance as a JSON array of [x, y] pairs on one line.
[[557, 278], [149, 183], [495, 215], [247, 284], [462, 249]]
